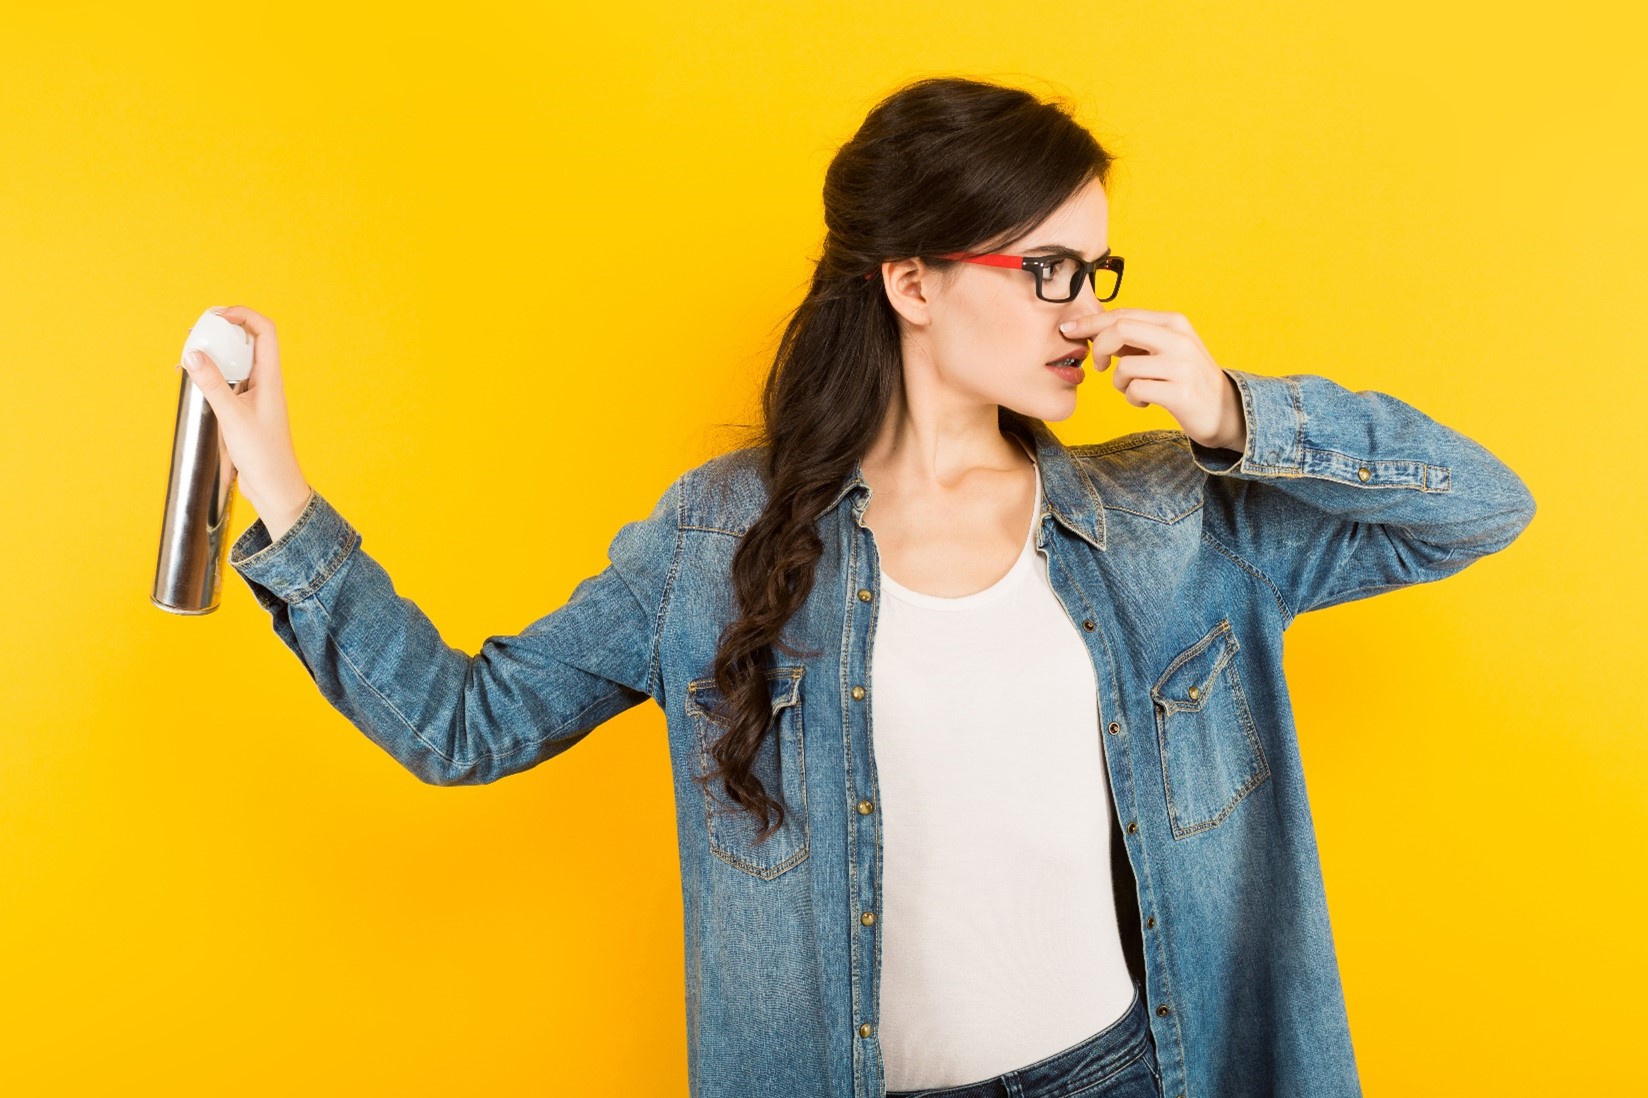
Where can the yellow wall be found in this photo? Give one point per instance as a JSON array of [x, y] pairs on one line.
[[211, 883]]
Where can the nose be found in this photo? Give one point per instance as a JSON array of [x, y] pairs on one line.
[[1085, 303]]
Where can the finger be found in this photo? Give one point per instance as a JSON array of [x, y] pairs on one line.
[[1142, 392], [1177, 321], [1144, 336], [265, 344], [250, 319], [1086, 327], [1132, 371], [209, 380], [261, 327]]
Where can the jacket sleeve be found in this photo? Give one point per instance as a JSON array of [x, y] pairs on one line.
[[1340, 495], [449, 717]]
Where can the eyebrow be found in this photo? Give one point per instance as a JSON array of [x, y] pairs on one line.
[[1061, 249]]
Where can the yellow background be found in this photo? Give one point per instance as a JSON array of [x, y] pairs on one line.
[[524, 264]]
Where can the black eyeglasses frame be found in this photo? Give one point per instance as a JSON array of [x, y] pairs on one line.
[[1041, 266]]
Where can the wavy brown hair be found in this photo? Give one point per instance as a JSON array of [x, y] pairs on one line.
[[943, 164]]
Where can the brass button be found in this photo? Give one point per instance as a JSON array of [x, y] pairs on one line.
[[1114, 728], [864, 594], [864, 1030], [1150, 922], [1362, 474], [1162, 1011], [858, 693], [1088, 625], [1132, 827], [865, 808], [1195, 692], [868, 918]]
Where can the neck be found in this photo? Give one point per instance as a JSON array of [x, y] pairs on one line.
[[941, 449]]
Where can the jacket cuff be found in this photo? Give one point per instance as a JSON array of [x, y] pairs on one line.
[[1275, 429], [296, 566]]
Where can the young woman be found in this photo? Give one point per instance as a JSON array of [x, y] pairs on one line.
[[986, 775]]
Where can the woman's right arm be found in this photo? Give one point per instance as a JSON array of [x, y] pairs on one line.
[[449, 717]]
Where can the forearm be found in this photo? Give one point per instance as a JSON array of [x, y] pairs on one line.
[[281, 515], [446, 716], [1335, 494]]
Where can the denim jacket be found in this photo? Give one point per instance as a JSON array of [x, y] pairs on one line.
[[1180, 567]]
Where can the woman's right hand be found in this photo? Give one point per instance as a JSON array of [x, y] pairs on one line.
[[254, 425]]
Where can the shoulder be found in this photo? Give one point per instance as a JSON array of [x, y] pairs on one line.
[[726, 493], [1146, 473]]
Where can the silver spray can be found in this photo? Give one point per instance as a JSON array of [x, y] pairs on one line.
[[194, 531]]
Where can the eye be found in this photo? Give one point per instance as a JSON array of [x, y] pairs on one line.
[[1058, 268]]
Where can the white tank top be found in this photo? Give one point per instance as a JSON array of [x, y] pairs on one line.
[[999, 938]]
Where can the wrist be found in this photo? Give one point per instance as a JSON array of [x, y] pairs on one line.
[[280, 516], [1234, 436]]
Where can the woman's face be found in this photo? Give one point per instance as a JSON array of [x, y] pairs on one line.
[[979, 334]]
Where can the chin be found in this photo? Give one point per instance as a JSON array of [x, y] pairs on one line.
[[1048, 407]]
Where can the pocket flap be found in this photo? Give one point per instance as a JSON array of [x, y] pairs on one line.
[[1190, 678], [704, 697]]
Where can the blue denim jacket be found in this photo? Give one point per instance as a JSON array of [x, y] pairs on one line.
[[1179, 565]]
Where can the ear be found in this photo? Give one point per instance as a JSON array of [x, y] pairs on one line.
[[910, 285]]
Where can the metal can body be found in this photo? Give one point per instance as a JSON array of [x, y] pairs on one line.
[[194, 533]]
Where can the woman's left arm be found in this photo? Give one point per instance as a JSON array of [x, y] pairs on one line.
[[1331, 495]]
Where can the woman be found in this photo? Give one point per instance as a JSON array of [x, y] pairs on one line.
[[1097, 873]]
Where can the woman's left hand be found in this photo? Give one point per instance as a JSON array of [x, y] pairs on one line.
[[1161, 360]]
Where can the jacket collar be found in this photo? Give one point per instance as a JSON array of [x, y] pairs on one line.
[[1068, 493]]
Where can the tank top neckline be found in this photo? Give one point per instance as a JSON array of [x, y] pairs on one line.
[[1021, 566]]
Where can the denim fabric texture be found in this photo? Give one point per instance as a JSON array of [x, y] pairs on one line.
[[1180, 567], [1116, 1062]]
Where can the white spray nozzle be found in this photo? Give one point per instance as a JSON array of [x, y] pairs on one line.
[[229, 344]]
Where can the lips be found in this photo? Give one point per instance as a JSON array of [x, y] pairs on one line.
[[1074, 358]]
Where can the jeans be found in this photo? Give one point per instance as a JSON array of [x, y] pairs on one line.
[[1116, 1062]]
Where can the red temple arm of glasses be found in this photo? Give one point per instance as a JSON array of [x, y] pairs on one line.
[[1016, 262]]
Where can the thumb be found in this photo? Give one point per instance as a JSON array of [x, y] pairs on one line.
[[209, 380]]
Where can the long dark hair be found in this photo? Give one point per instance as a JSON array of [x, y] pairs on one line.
[[940, 165]]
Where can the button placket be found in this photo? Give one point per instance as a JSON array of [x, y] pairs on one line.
[[864, 807]]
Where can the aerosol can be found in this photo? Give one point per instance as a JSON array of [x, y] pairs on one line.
[[194, 543]]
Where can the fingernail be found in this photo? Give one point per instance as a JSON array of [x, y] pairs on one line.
[[1066, 326], [192, 359]]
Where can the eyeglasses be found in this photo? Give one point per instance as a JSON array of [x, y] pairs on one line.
[[1064, 272]]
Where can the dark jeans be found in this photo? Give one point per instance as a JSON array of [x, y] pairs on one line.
[[1116, 1062]]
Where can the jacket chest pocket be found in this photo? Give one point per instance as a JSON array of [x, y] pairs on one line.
[[780, 764], [1211, 754]]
